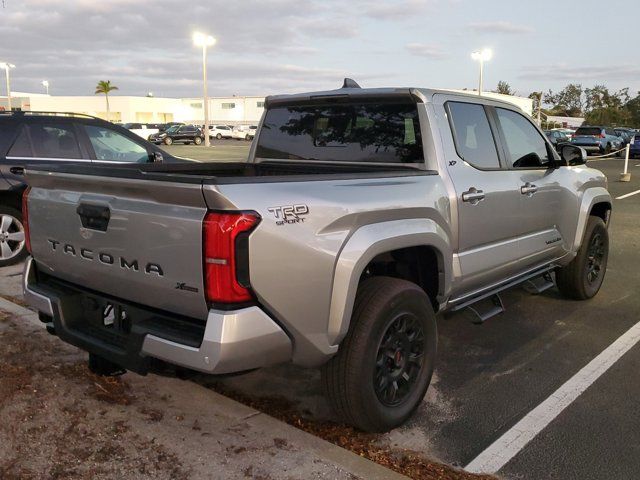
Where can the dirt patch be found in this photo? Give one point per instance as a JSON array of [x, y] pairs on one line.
[[406, 462], [57, 419]]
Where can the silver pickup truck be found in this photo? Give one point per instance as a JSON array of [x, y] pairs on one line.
[[360, 215]]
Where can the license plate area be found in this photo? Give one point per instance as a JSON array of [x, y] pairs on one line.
[[106, 320]]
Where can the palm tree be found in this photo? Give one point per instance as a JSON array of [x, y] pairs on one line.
[[105, 87]]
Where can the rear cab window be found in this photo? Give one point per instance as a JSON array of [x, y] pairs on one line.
[[369, 132]]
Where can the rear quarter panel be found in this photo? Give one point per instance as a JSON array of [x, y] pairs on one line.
[[293, 264]]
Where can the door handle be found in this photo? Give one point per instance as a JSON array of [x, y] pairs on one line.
[[473, 196], [17, 170], [528, 189], [94, 217]]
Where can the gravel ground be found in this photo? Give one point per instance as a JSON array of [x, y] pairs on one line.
[[59, 421]]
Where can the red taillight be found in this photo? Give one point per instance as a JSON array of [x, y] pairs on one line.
[[225, 241], [25, 218]]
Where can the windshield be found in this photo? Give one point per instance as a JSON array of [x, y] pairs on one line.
[[587, 131], [356, 132]]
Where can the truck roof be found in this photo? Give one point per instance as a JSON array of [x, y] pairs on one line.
[[351, 89]]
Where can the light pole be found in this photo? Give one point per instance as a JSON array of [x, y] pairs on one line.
[[45, 84], [204, 41], [482, 56], [8, 66]]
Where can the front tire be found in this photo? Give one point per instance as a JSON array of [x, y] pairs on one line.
[[12, 238], [582, 278], [219, 136], [384, 364]]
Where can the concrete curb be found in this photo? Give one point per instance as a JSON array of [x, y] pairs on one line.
[[358, 466]]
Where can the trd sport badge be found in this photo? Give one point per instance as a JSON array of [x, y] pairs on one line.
[[288, 214]]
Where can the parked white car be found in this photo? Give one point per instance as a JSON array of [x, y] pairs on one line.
[[142, 129], [244, 132], [220, 131]]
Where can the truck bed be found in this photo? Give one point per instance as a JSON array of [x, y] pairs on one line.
[[220, 173]]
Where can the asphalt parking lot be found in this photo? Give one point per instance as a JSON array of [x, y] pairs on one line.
[[491, 376], [219, 151]]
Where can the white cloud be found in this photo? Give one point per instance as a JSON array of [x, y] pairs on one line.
[[500, 27], [426, 50], [580, 73]]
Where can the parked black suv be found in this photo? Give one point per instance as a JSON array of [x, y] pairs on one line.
[[178, 133], [28, 138]]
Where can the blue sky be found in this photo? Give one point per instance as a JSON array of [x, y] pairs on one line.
[[279, 46]]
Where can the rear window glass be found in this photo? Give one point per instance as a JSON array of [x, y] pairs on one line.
[[21, 147], [350, 132], [54, 141], [587, 131]]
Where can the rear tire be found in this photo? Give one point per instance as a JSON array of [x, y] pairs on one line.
[[12, 240], [384, 364], [582, 278], [197, 140]]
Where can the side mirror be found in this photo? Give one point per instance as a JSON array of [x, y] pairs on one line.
[[573, 155], [157, 157]]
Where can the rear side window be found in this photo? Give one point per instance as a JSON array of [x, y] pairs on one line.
[[110, 146], [349, 132], [588, 131], [525, 145], [53, 141], [472, 135], [21, 147]]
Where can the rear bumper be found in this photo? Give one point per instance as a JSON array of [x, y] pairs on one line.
[[590, 148], [229, 341]]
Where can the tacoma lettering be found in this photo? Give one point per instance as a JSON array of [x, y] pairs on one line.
[[105, 258]]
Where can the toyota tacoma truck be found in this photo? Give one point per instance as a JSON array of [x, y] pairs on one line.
[[359, 216]]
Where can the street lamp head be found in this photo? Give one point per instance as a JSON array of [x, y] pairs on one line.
[[202, 40], [7, 65], [483, 55], [45, 83]]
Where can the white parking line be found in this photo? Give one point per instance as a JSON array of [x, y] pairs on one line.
[[498, 454], [627, 195]]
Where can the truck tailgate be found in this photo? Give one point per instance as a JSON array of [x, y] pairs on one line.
[[140, 241]]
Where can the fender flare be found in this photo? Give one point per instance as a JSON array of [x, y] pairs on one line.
[[591, 197], [365, 244]]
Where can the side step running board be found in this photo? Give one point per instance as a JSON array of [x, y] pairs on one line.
[[534, 282], [539, 284], [495, 307]]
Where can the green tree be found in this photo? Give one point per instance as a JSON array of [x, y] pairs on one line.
[[632, 109], [567, 102], [504, 88], [105, 87], [605, 107]]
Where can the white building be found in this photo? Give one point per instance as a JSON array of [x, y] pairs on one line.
[[235, 110], [565, 122], [226, 110]]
